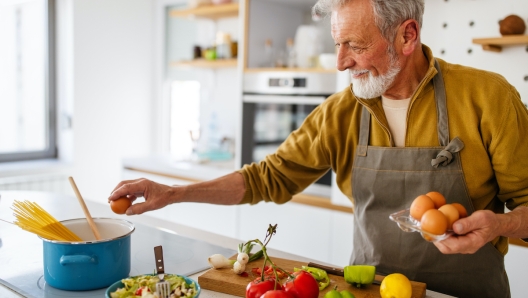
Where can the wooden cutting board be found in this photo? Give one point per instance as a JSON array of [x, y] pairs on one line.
[[225, 281]]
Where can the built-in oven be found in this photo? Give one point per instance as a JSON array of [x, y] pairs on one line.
[[274, 105]]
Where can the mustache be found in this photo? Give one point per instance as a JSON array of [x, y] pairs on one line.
[[358, 72]]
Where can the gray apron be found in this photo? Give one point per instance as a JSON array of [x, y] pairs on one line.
[[386, 180]]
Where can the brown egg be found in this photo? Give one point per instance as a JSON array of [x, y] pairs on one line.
[[438, 199], [451, 213], [462, 212], [420, 205], [434, 222], [120, 205]]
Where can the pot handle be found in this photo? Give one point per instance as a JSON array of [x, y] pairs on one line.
[[77, 259]]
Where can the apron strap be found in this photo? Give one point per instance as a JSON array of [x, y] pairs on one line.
[[441, 107], [364, 132]]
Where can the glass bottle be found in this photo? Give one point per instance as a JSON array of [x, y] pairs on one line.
[[223, 46], [268, 54], [227, 45], [291, 56]]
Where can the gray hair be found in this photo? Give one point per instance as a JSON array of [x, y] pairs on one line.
[[388, 14]]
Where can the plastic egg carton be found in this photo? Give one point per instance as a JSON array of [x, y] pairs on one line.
[[408, 224]]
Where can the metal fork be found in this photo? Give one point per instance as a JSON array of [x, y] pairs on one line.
[[162, 286]]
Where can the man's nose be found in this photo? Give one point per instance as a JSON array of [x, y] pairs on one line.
[[344, 59]]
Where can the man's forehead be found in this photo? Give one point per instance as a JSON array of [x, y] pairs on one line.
[[353, 11], [351, 17]]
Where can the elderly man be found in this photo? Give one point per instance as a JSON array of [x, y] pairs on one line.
[[409, 124]]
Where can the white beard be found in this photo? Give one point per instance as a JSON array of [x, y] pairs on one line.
[[372, 87]]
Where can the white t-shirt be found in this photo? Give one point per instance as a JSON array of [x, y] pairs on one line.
[[396, 113]]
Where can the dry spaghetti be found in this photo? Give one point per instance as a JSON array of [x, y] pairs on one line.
[[32, 218]]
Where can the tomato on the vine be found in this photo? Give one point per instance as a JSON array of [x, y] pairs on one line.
[[258, 287], [276, 294], [303, 285]]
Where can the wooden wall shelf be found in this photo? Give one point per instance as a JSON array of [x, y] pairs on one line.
[[208, 11], [495, 44], [203, 63]]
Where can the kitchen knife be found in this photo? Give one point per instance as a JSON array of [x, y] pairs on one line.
[[339, 272]]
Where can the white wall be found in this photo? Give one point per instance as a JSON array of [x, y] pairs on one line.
[[455, 39], [111, 44]]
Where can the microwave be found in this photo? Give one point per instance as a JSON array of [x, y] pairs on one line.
[[276, 103]]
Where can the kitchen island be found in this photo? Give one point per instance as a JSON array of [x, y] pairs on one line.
[[21, 252]]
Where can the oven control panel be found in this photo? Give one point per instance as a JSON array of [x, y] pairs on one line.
[[291, 83], [287, 82]]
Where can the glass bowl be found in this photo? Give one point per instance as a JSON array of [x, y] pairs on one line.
[[408, 224], [119, 284]]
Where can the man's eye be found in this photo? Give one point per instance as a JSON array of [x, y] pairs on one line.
[[356, 48]]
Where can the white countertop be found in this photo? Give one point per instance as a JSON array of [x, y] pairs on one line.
[[52, 203], [185, 169]]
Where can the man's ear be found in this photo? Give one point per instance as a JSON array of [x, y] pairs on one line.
[[408, 35]]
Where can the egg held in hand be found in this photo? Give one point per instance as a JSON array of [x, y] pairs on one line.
[[438, 199], [451, 213], [420, 205], [462, 212], [120, 205], [434, 221]]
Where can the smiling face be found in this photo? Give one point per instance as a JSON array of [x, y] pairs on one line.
[[372, 61]]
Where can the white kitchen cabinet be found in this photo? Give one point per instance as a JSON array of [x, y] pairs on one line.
[[316, 233], [342, 232], [302, 230]]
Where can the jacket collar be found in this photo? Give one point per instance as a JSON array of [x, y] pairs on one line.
[[374, 104]]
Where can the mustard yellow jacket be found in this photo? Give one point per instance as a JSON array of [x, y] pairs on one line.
[[484, 110]]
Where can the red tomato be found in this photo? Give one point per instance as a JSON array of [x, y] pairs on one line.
[[303, 285], [257, 288], [140, 290], [276, 294], [268, 272]]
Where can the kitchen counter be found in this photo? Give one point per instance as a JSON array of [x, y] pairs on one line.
[[21, 251]]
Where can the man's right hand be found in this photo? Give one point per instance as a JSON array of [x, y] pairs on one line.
[[156, 195]]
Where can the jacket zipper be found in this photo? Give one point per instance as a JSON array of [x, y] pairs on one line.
[[387, 130]]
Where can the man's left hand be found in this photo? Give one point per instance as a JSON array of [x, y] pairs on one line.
[[471, 233]]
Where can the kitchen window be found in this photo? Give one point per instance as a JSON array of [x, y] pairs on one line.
[[27, 101]]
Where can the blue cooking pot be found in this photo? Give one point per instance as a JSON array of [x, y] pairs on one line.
[[90, 264]]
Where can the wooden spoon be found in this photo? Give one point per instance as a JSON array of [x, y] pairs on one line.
[[85, 209]]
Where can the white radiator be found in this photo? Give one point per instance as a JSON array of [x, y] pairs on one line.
[[57, 183]]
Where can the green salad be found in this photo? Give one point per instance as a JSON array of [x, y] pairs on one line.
[[145, 286]]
